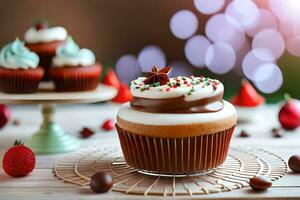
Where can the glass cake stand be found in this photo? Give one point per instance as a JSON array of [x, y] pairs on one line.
[[51, 138]]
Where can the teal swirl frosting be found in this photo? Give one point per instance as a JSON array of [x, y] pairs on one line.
[[16, 56], [69, 54]]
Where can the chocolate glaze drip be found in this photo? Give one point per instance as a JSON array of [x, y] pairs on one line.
[[177, 104]]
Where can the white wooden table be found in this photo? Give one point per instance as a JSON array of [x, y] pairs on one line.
[[41, 184]]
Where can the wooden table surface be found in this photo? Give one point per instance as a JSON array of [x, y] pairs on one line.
[[42, 184]]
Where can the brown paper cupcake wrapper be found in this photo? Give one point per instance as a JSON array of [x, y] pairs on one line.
[[175, 155], [19, 81], [76, 78]]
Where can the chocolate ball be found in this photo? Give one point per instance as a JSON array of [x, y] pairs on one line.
[[260, 183], [244, 133], [101, 182], [294, 163]]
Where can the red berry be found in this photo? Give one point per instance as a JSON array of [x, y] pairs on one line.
[[18, 161], [111, 79], [86, 132], [247, 96], [289, 115], [108, 125], [4, 115], [41, 25], [123, 95]]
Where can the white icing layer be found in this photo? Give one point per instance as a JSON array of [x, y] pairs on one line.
[[45, 35], [193, 88], [139, 117]]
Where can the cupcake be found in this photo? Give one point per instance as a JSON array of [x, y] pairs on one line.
[[177, 125], [247, 101], [74, 69], [44, 41], [19, 70]]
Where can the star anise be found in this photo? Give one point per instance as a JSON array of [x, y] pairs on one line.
[[158, 75]]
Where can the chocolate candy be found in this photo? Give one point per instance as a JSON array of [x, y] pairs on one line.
[[294, 163], [260, 183], [276, 133], [101, 182], [243, 133]]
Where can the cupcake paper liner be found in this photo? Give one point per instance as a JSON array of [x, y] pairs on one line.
[[19, 81], [175, 155], [76, 78]]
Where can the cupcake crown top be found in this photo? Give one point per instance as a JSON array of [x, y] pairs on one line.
[[159, 93], [16, 56], [69, 54], [41, 32]]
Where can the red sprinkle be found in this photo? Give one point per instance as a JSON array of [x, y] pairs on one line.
[[185, 82], [168, 89]]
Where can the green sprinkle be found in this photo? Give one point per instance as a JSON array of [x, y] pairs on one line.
[[156, 84]]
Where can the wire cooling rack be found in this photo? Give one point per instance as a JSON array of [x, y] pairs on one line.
[[241, 164]]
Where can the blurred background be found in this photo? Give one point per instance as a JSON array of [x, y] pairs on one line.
[[114, 28]]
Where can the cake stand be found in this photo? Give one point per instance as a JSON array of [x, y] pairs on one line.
[[51, 138]]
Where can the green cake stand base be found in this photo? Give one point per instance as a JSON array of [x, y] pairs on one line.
[[51, 138]]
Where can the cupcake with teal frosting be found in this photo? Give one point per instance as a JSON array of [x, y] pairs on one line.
[[19, 69], [74, 69]]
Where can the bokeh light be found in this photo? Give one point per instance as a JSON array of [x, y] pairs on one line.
[[286, 29], [270, 39], [184, 24], [209, 6], [286, 10], [151, 55], [293, 46], [254, 59], [220, 58], [240, 53], [243, 11], [127, 68], [267, 20], [180, 68], [222, 28], [195, 49], [269, 78]]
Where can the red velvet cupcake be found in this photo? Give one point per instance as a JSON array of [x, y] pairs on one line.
[[44, 40], [74, 69], [19, 70]]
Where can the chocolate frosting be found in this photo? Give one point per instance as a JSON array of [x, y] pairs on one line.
[[177, 104]]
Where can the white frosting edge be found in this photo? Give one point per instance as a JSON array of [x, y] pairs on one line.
[[139, 117], [155, 93], [45, 35]]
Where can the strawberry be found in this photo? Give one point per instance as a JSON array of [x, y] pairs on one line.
[[123, 95], [108, 125], [247, 96], [111, 79], [19, 160]]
